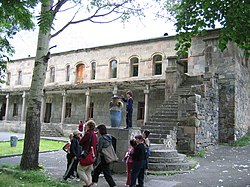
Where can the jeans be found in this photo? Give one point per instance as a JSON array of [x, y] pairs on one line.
[[103, 167], [138, 171]]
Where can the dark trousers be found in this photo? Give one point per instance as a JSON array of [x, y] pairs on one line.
[[103, 167], [71, 167], [138, 171], [129, 118]]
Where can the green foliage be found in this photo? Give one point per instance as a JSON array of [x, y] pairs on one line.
[[15, 16], [245, 140], [201, 153], [195, 16], [45, 145], [13, 176]]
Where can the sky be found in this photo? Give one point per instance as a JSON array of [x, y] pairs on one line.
[[89, 34]]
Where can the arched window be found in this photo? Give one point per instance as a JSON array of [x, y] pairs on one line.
[[93, 70], [19, 80], [157, 61], [80, 73], [8, 78], [134, 66], [67, 72], [52, 74], [113, 69]]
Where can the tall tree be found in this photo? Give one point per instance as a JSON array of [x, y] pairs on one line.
[[96, 11], [193, 17], [15, 16]]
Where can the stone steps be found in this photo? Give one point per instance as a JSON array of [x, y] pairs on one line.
[[162, 125], [50, 130], [173, 159], [181, 166]]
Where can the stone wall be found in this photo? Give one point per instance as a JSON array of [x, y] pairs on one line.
[[174, 77], [144, 50], [198, 113], [233, 70]]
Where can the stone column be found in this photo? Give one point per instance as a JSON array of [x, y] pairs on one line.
[[63, 106], [146, 92], [115, 91], [7, 107], [42, 108], [23, 106], [87, 104]]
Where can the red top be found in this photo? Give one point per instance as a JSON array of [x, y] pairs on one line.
[[80, 127], [130, 159], [84, 142]]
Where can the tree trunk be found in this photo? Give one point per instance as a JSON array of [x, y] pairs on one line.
[[33, 125]]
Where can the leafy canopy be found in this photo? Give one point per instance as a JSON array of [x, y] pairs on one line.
[[15, 16], [193, 17]]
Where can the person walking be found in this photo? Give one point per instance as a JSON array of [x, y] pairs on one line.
[[129, 109], [101, 165], [66, 148], [75, 151], [88, 143], [139, 162]]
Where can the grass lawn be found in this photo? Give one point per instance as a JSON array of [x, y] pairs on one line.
[[16, 177], [45, 145]]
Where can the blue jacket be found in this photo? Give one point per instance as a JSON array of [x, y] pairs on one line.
[[129, 101]]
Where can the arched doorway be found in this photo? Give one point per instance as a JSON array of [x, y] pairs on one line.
[[80, 73]]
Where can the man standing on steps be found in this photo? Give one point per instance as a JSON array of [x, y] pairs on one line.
[[129, 109]]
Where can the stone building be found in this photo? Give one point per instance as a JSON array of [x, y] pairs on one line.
[[188, 104], [79, 84]]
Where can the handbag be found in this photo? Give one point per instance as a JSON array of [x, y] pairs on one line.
[[109, 154], [89, 159]]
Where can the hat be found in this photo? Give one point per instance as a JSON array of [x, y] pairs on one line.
[[76, 133]]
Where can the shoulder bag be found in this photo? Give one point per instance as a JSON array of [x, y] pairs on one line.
[[109, 154]]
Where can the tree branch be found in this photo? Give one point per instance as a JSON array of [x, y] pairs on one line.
[[95, 15], [58, 5]]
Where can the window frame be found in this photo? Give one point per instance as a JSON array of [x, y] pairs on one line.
[[113, 71], [8, 78], [78, 80], [52, 74], [93, 70], [19, 78], [133, 65], [156, 63], [68, 73]]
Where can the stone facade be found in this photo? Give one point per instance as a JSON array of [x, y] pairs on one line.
[[233, 70], [79, 85], [198, 113], [63, 89]]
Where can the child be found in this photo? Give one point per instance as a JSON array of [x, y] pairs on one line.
[[139, 160], [147, 145], [66, 148], [129, 161]]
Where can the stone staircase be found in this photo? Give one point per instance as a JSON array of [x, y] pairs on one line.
[[163, 127], [51, 130]]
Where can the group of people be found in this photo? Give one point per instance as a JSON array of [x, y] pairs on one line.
[[136, 159], [82, 151], [84, 155]]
